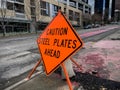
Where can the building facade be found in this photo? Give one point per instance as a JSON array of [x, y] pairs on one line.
[[32, 15], [105, 8], [92, 3], [15, 16], [117, 10]]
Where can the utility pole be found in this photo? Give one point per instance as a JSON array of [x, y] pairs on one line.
[[103, 13], [110, 10]]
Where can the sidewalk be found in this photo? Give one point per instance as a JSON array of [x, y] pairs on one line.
[[43, 82]]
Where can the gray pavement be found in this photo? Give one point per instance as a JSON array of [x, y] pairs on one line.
[[17, 57], [43, 82], [16, 54]]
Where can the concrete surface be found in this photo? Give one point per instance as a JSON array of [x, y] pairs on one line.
[[43, 82], [102, 56], [16, 56]]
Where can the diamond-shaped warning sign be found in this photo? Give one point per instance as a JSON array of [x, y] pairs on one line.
[[58, 42]]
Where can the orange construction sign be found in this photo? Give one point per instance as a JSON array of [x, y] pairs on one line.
[[58, 42]]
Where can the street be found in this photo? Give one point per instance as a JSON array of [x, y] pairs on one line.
[[16, 57], [19, 54]]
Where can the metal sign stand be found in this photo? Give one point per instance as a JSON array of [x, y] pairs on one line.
[[67, 77], [34, 68], [64, 69], [78, 45]]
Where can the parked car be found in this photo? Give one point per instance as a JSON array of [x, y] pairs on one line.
[[114, 23], [97, 25], [88, 27]]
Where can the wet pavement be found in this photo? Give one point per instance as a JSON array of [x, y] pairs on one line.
[[105, 60], [43, 82], [100, 62]]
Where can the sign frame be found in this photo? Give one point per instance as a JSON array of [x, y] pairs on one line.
[[79, 39]]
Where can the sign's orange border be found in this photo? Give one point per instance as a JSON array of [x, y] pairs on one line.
[[70, 53]]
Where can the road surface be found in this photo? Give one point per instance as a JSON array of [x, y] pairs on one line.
[[19, 54]]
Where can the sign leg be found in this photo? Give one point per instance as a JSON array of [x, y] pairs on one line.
[[67, 77], [34, 68], [76, 63]]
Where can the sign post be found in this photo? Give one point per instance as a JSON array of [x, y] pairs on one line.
[[34, 68], [57, 43], [67, 77]]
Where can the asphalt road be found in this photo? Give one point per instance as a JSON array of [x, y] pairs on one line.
[[19, 54]]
